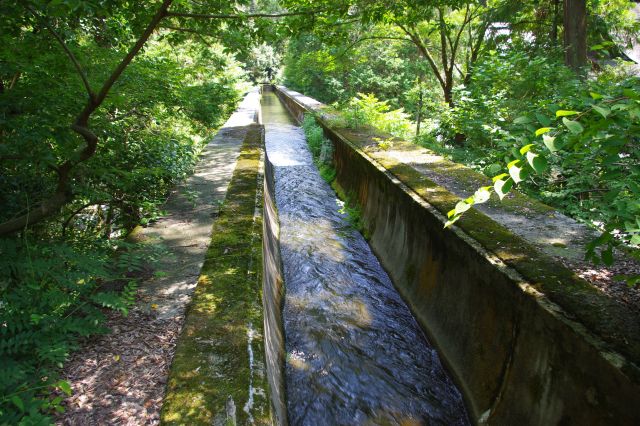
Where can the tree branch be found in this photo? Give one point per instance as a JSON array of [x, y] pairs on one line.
[[183, 30], [14, 80], [443, 40], [76, 212], [360, 40], [415, 38], [198, 34], [454, 48], [63, 194], [243, 15]]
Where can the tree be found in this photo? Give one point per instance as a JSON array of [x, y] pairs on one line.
[[575, 33], [65, 23], [460, 34], [448, 35]]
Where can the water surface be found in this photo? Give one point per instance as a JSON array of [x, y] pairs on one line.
[[355, 354]]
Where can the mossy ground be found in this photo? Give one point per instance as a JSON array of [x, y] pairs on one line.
[[211, 371]]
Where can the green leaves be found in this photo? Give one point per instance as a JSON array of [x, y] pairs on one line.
[[550, 142], [537, 162], [565, 113], [522, 120], [461, 207], [518, 174], [542, 130], [502, 187], [482, 195], [65, 387], [17, 401], [526, 148], [573, 126], [602, 110]]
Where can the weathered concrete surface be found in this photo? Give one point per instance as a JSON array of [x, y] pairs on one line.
[[185, 231], [218, 373], [528, 342], [273, 294]]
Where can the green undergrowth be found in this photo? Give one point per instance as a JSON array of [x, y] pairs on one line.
[[327, 172], [54, 294], [210, 378], [351, 208]]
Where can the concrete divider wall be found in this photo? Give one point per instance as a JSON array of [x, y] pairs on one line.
[[218, 372], [518, 357], [273, 294]]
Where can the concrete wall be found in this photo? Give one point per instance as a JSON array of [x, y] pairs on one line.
[[272, 296], [518, 357]]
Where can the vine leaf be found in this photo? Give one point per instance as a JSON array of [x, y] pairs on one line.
[[573, 126], [482, 195], [502, 187], [461, 207], [550, 143], [537, 162], [517, 174], [542, 130], [602, 110], [565, 113]]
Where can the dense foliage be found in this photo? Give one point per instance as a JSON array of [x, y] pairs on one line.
[[488, 85], [58, 275]]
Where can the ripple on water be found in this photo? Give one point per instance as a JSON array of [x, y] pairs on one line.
[[355, 354]]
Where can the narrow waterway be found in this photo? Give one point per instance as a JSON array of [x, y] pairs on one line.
[[355, 354]]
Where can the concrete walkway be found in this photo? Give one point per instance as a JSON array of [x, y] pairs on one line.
[[192, 207]]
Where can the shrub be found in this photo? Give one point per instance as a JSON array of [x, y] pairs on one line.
[[367, 109]]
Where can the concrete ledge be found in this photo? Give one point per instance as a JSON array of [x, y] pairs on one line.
[[218, 372], [526, 339]]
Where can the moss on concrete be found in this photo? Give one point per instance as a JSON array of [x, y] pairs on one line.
[[211, 380], [468, 179]]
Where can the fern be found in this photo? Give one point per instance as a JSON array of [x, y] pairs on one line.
[[50, 298]]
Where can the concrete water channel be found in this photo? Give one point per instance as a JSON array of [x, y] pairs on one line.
[[325, 327], [354, 352]]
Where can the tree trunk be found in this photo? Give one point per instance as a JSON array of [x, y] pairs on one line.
[[419, 114], [555, 22], [575, 33], [63, 193]]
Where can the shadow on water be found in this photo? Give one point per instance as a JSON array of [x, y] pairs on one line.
[[355, 354]]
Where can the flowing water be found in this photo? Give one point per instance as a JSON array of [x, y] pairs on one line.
[[355, 354]]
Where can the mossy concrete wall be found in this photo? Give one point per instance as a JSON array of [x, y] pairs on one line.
[[218, 374], [518, 356], [273, 295]]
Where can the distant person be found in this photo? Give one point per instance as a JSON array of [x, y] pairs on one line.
[[269, 72]]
